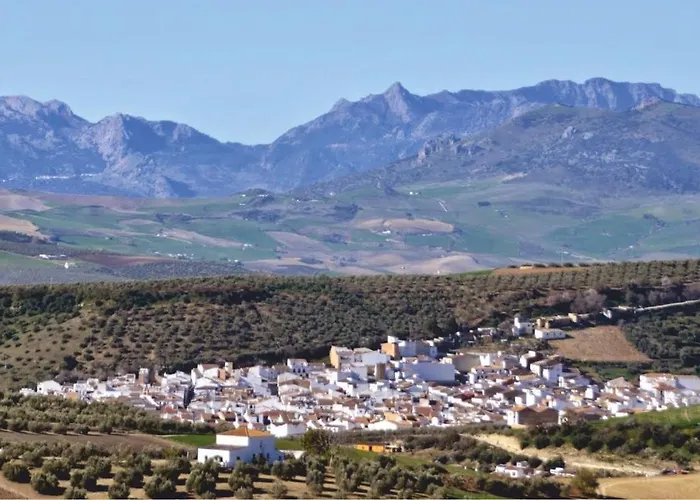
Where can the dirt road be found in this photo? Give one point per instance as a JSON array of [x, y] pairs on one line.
[[572, 457]]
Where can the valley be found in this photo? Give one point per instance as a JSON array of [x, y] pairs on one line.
[[427, 228]]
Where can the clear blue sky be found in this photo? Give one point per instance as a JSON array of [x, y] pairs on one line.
[[249, 70]]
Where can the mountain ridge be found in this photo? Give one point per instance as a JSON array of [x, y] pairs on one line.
[[650, 148], [46, 146]]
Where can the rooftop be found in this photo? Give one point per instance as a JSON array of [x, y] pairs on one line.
[[245, 432]]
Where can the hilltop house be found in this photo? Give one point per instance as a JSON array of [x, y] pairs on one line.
[[240, 445]]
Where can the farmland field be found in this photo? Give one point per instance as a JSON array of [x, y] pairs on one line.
[[600, 343], [658, 487]]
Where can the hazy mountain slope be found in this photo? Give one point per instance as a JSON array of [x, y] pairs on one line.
[[46, 146], [650, 149]]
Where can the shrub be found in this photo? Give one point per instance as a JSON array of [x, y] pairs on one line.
[[159, 487], [81, 429], [16, 471], [101, 466], [44, 483], [585, 482], [85, 479], [238, 480], [59, 467], [73, 492], [130, 477], [118, 490], [279, 490], [202, 480], [541, 441], [104, 428], [243, 493], [59, 428]]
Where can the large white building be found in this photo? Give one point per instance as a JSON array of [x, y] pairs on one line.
[[549, 334], [427, 369], [240, 445]]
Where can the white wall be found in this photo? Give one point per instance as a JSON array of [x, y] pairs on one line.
[[431, 371]]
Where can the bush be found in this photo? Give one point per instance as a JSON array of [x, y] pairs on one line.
[[104, 428], [81, 429], [73, 492], [118, 490], [17, 472], [202, 479], [585, 482], [238, 480], [159, 487], [102, 466], [44, 483], [541, 441], [60, 428], [130, 477], [279, 490], [86, 479], [243, 493], [59, 467]]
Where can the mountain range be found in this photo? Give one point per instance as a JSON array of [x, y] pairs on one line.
[[597, 129]]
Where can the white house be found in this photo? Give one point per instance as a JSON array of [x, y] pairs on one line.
[[517, 471], [283, 429], [549, 333], [240, 445], [298, 366], [650, 381], [428, 370], [49, 387], [522, 326]]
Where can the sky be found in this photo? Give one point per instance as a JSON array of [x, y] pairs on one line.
[[247, 71]]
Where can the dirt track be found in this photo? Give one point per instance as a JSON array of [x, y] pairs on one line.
[[572, 457]]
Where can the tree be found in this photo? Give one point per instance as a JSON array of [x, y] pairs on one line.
[[118, 490], [159, 487], [279, 490], [316, 442], [238, 480], [314, 481], [102, 466], [202, 480], [44, 483], [59, 467], [130, 477], [17, 472], [585, 482], [73, 492], [244, 493]]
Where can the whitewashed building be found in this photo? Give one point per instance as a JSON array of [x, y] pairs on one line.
[[240, 445]]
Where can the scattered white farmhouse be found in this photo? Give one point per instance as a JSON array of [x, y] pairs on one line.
[[549, 334], [240, 445]]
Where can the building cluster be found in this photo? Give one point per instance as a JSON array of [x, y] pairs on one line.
[[404, 384]]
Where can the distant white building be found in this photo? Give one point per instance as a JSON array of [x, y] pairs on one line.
[[298, 366], [549, 334], [49, 388], [286, 429], [428, 369], [522, 326], [240, 445]]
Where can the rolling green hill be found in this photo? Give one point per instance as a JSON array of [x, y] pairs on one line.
[[70, 331], [553, 185]]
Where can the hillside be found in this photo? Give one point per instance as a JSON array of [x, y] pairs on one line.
[[97, 329], [647, 150], [554, 184], [45, 146]]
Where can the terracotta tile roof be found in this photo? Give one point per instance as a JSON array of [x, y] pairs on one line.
[[246, 432]]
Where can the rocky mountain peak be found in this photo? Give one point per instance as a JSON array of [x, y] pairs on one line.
[[352, 138]]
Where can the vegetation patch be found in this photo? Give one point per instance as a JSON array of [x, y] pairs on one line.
[[601, 343]]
